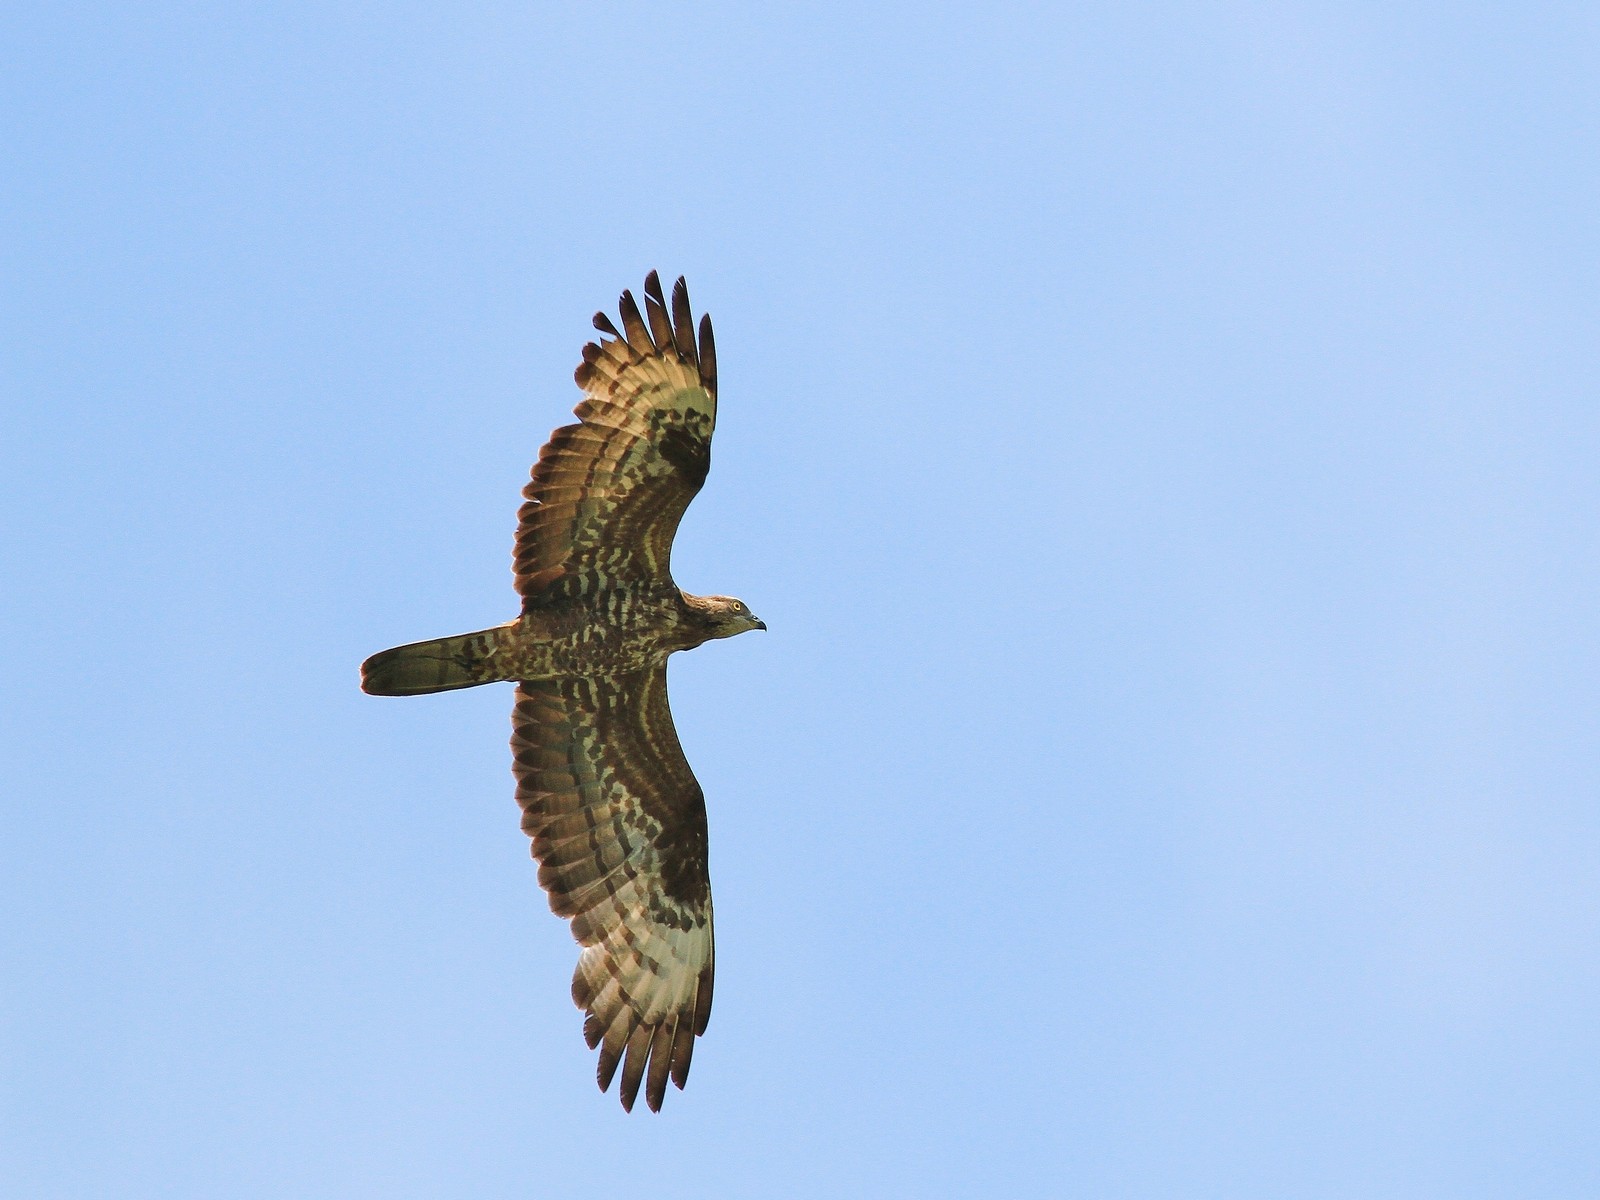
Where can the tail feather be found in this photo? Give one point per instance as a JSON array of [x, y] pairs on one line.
[[441, 665]]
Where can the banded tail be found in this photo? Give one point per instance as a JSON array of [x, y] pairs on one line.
[[441, 665]]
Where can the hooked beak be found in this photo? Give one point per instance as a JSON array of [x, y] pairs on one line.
[[760, 624]]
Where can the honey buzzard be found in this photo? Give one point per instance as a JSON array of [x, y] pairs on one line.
[[617, 820]]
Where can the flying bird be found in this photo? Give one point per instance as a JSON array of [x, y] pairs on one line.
[[617, 819]]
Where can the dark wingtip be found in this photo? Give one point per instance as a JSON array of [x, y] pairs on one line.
[[593, 1031], [708, 354], [633, 325], [606, 1068], [702, 1000], [683, 323], [655, 311]]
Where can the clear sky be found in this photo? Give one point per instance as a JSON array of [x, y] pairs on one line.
[[1162, 439]]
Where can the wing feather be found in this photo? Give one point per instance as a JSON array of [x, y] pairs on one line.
[[708, 354], [655, 308], [633, 326], [633, 1069], [618, 826], [655, 1088], [682, 1051], [683, 325]]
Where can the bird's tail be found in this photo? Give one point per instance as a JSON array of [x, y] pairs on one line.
[[441, 665]]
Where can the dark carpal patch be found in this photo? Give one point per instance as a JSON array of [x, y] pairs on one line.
[[689, 454]]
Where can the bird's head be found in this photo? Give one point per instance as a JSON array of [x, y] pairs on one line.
[[724, 616]]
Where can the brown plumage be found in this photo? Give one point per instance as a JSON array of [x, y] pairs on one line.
[[617, 819]]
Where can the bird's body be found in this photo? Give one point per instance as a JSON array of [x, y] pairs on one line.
[[615, 632], [616, 816]]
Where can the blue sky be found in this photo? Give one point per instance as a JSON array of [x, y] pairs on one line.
[[1161, 438]]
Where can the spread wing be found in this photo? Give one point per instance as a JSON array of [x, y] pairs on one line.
[[619, 828], [607, 493]]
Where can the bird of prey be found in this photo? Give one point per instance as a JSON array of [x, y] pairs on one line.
[[617, 820]]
